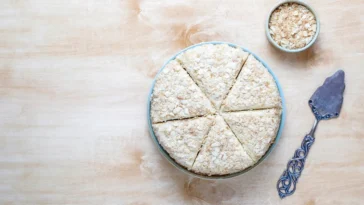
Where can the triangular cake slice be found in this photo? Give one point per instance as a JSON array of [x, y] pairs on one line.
[[214, 68], [182, 139], [255, 129], [176, 96], [255, 88], [221, 152]]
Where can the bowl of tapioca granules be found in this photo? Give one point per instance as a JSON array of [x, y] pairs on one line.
[[292, 26]]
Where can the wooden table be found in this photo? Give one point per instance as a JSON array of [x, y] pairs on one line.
[[74, 79]]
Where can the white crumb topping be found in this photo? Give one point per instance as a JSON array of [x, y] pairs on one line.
[[221, 153], [255, 88], [214, 68], [256, 129], [182, 139], [189, 86], [176, 96]]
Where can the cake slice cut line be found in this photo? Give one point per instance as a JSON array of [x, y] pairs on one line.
[[236, 77], [213, 68], [182, 139], [255, 88], [253, 109], [221, 152], [248, 151], [256, 129], [176, 96]]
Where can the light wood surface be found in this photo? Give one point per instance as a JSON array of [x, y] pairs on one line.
[[74, 79]]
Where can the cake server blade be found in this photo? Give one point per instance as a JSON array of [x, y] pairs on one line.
[[326, 102]]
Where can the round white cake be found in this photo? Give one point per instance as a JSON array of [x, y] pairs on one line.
[[215, 109]]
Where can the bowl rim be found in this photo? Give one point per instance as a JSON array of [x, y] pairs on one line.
[[214, 177], [292, 50]]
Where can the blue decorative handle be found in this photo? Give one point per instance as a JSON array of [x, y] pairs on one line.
[[286, 184]]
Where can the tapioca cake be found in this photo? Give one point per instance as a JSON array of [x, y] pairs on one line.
[[256, 129], [221, 152], [182, 139], [176, 96], [215, 109], [214, 68], [255, 88]]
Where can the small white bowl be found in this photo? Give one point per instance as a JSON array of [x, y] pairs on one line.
[[292, 50]]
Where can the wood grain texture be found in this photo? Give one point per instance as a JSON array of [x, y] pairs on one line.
[[74, 79]]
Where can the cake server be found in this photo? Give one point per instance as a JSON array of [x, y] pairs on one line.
[[325, 104]]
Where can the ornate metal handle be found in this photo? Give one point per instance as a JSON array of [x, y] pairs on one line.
[[286, 184]]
